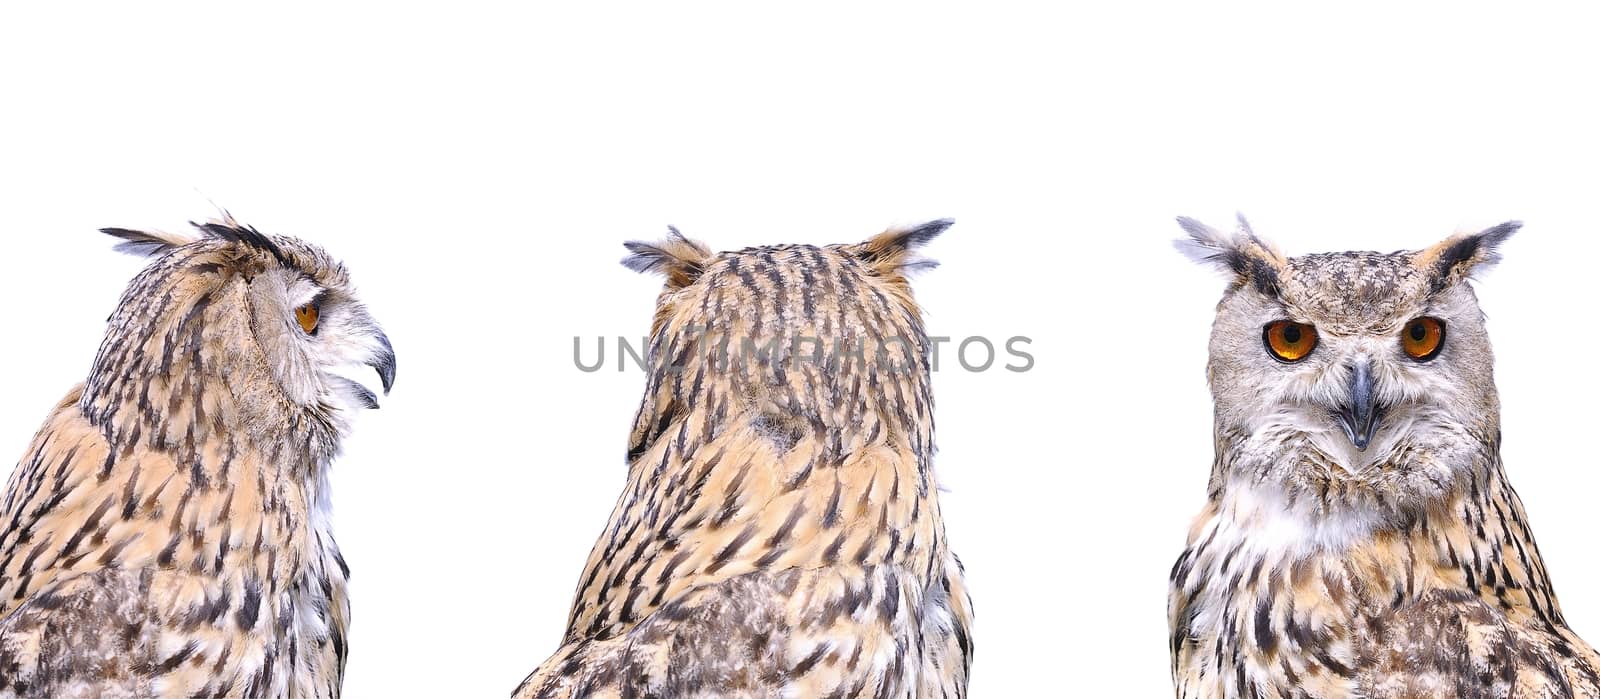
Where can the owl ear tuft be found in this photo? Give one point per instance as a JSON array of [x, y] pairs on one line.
[[232, 231], [1248, 258], [678, 258], [145, 243], [1460, 256], [894, 252]]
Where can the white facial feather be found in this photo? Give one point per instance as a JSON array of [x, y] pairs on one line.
[[1279, 422], [326, 366]]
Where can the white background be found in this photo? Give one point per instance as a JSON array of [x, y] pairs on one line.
[[478, 168]]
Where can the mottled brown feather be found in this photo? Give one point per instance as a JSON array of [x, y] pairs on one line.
[[1414, 575], [780, 531], [159, 535]]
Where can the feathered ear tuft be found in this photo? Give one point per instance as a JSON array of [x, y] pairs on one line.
[[894, 252], [234, 232], [1462, 255], [1248, 258], [678, 258], [145, 243]]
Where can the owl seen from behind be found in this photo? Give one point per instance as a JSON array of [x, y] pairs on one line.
[[167, 531], [1360, 538], [779, 533]]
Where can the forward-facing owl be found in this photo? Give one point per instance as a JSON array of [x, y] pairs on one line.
[[167, 533], [1360, 537], [779, 534]]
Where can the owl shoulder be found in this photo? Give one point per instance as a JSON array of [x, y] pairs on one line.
[[1455, 643]]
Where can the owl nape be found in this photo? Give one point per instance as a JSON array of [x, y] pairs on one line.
[[780, 532]]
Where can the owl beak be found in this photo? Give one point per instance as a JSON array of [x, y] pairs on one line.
[[1360, 415], [383, 360]]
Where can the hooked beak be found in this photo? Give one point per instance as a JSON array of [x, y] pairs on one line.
[[383, 360], [1359, 416]]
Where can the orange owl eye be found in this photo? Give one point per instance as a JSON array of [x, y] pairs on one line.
[[1422, 338], [1289, 341], [308, 316]]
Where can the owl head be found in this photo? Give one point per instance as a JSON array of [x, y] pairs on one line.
[[1357, 375], [791, 341], [234, 330]]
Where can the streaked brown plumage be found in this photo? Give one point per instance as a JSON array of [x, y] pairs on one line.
[[779, 534], [1347, 552], [166, 531]]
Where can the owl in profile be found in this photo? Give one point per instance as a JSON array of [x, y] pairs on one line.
[[779, 533], [1360, 538], [167, 532]]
